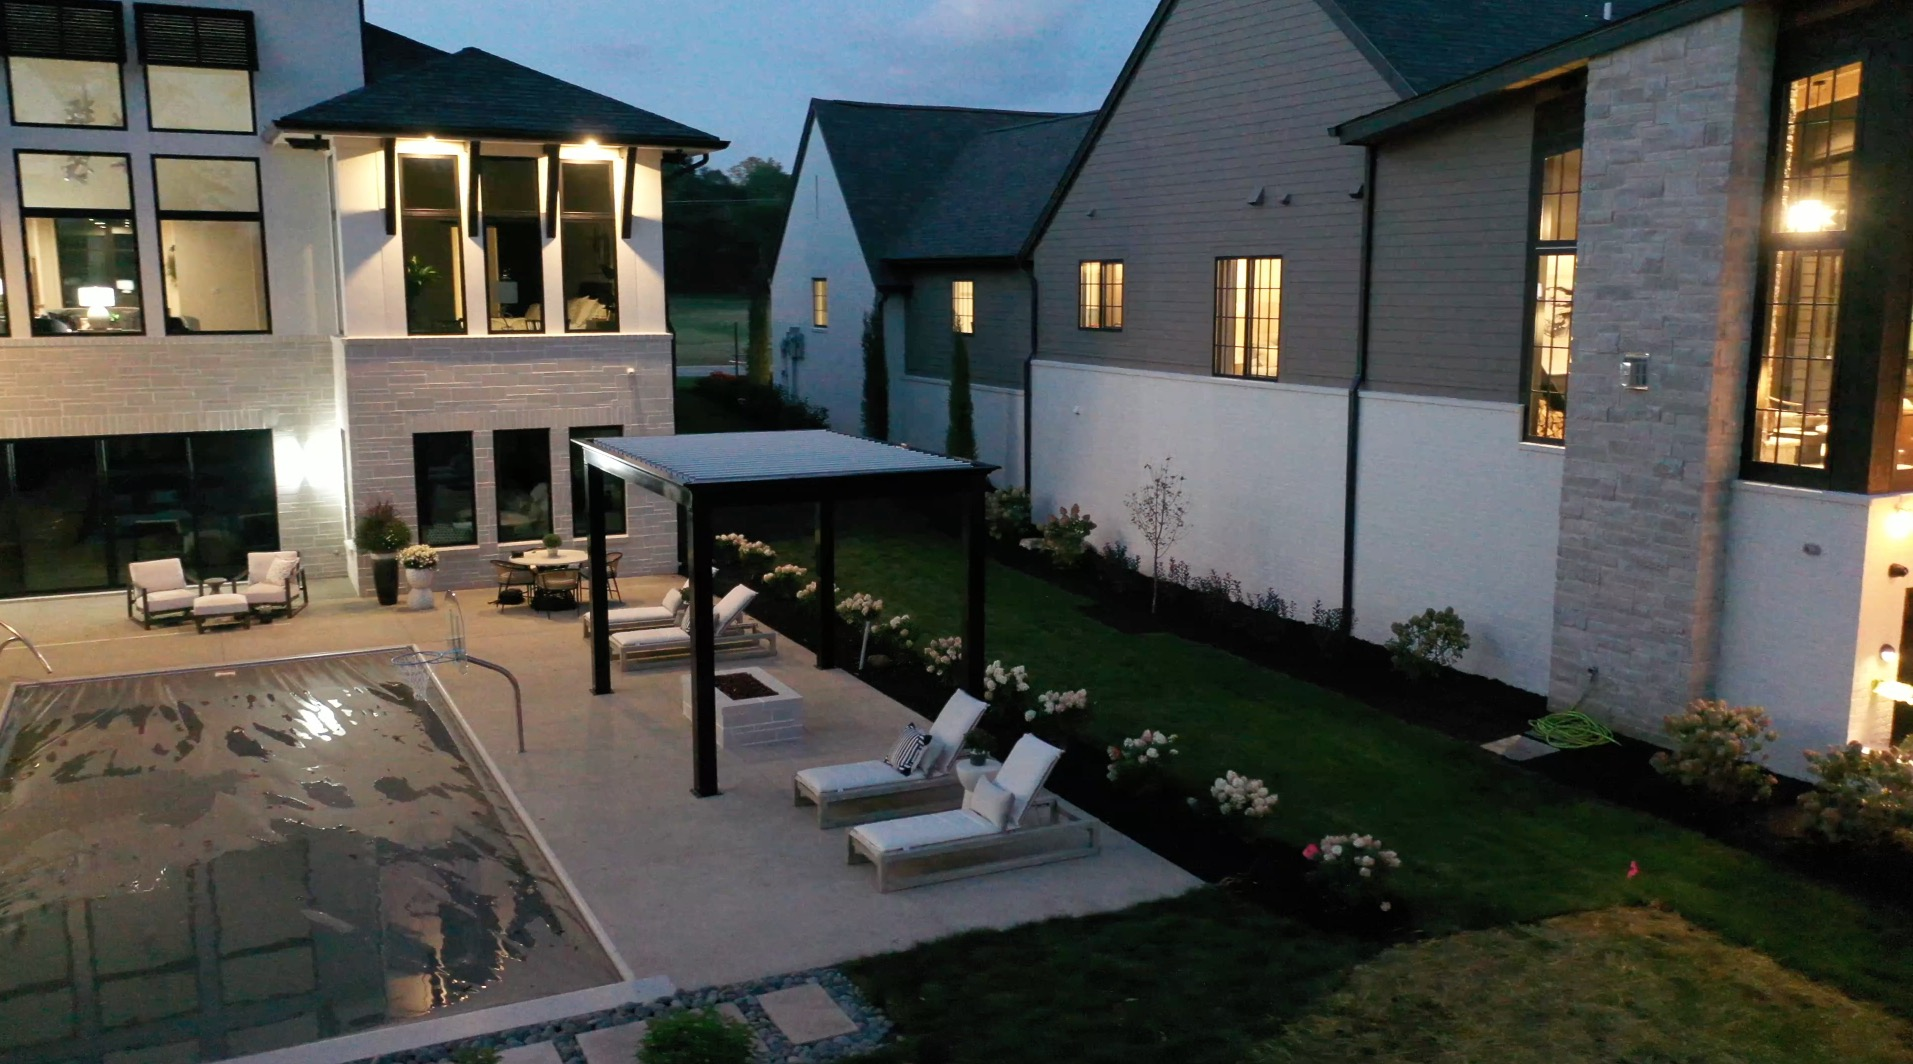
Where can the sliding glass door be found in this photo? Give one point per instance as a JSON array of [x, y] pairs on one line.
[[75, 510]]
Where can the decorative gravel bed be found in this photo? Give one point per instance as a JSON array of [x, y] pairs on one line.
[[872, 1026]]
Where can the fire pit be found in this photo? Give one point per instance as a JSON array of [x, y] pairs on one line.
[[753, 708]]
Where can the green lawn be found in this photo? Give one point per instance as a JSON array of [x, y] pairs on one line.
[[703, 326], [1486, 844]]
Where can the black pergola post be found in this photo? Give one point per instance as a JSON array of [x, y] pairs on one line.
[[974, 652], [703, 656], [827, 584], [600, 605]]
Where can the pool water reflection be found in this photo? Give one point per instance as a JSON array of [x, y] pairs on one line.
[[203, 864]]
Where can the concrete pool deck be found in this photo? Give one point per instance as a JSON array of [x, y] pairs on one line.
[[701, 891]]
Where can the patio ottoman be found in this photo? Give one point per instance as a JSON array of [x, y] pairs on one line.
[[221, 609]]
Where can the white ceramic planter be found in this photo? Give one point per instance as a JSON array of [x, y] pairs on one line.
[[420, 581]]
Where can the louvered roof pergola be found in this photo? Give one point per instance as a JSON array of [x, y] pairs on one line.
[[707, 472]]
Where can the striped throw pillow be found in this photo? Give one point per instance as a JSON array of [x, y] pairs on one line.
[[907, 755]]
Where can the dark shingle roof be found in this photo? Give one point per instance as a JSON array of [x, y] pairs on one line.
[[986, 205], [387, 53], [890, 158], [1430, 43], [473, 94]]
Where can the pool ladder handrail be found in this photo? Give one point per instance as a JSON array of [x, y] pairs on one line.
[[457, 620], [14, 636]]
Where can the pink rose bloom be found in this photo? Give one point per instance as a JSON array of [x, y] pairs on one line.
[[1311, 851]]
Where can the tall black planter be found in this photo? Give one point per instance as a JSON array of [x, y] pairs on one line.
[[385, 579]]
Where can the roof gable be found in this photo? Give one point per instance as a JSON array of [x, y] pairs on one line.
[[890, 158], [473, 94], [387, 53], [990, 200], [1433, 42]]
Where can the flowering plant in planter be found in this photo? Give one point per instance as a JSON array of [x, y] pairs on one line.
[[1354, 867], [783, 580], [940, 656], [1236, 793], [1142, 756], [419, 556]]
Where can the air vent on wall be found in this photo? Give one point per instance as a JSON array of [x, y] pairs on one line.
[[83, 31], [196, 36]]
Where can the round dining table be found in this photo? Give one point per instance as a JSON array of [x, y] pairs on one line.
[[543, 559]]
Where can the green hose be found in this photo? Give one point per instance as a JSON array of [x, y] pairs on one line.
[[1573, 730]]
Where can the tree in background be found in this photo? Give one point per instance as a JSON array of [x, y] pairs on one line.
[[960, 442], [1158, 511], [721, 227], [757, 353], [876, 408]]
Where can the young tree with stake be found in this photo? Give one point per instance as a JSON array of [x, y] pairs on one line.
[[1158, 512]]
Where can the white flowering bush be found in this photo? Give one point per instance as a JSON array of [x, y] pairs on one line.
[[1004, 684], [860, 609], [783, 580], [1142, 756], [1357, 867], [810, 590], [1236, 793], [1717, 748], [419, 556], [940, 656], [1861, 796], [753, 558], [893, 638], [1054, 703]]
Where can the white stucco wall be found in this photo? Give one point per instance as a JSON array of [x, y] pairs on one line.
[[1802, 631], [374, 262], [1453, 510], [820, 241], [920, 417], [1264, 466]]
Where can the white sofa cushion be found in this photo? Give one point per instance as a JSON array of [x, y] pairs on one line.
[[897, 836], [162, 601], [160, 574], [993, 802], [259, 564], [266, 594]]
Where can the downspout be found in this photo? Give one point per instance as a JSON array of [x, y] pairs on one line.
[[1029, 376], [1355, 389]]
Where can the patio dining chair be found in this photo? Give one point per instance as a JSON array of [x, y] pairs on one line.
[[864, 792], [555, 589], [1003, 824], [513, 580], [610, 576], [159, 588]]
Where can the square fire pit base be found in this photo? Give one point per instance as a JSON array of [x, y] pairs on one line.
[[761, 708]]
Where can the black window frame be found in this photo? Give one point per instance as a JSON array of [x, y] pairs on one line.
[[486, 214], [1559, 127], [161, 216], [73, 51], [156, 52], [1104, 287], [456, 215], [610, 218], [419, 482], [132, 217], [1250, 315], [615, 515], [1871, 331], [498, 485]]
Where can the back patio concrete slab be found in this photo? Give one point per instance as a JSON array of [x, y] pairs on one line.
[[702, 891]]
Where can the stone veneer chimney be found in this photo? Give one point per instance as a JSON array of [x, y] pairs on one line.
[[1673, 173]]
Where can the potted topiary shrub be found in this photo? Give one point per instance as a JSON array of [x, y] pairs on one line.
[[381, 533], [552, 540]]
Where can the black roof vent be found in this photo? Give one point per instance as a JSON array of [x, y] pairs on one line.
[[89, 31], [196, 37]]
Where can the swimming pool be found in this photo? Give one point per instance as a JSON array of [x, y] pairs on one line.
[[214, 862]]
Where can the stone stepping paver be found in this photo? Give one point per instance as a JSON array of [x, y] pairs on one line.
[[613, 1045], [806, 1014], [1519, 748], [537, 1053]]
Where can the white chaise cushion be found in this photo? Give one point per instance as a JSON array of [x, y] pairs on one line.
[[954, 721], [161, 601], [629, 615], [900, 836], [651, 637], [832, 779], [1025, 771]]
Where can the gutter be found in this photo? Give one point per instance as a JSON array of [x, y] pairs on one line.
[[1352, 476]]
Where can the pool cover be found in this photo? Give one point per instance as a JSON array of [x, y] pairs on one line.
[[203, 864]]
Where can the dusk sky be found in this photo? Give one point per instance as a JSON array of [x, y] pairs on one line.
[[745, 69]]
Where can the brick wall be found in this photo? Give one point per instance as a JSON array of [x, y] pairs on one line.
[[1673, 171], [108, 387], [397, 387]]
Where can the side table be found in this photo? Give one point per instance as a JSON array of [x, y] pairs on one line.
[[967, 773]]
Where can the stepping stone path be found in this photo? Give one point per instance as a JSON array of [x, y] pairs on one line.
[[541, 1053], [806, 1014], [1519, 748], [613, 1045]]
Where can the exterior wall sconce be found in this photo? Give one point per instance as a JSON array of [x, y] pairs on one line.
[[1895, 571], [1889, 653], [1634, 371], [1894, 690], [1899, 523]]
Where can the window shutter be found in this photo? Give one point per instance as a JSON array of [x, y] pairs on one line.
[[196, 37], [84, 31]]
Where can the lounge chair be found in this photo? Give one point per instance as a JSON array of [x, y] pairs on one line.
[[737, 636], [159, 588], [868, 791], [1016, 830], [272, 581], [632, 618]]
